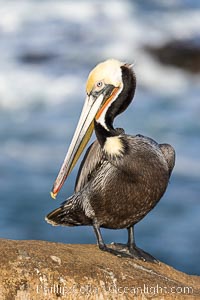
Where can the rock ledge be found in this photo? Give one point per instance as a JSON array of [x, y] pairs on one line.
[[34, 270]]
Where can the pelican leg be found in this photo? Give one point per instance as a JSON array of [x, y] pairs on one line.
[[131, 249], [136, 252], [102, 245]]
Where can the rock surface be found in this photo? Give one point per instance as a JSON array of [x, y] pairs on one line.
[[32, 57], [33, 270], [183, 54]]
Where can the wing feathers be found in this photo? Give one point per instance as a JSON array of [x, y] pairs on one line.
[[89, 165]]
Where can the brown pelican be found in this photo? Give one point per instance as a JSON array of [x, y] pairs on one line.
[[121, 177]]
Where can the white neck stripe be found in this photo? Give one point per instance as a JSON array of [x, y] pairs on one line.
[[101, 119]]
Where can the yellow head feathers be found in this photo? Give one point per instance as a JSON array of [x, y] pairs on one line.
[[108, 71]]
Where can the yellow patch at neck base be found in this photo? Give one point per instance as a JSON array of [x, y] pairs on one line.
[[113, 146]]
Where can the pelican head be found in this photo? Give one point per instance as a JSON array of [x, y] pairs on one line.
[[110, 88]]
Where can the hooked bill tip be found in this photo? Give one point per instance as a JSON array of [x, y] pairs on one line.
[[53, 195]]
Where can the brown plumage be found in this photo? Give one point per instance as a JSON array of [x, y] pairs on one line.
[[121, 177]]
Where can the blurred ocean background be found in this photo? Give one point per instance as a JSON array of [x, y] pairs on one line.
[[47, 49]]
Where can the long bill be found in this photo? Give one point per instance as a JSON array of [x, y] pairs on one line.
[[80, 139]]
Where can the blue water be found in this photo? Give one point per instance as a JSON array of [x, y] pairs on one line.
[[40, 102]]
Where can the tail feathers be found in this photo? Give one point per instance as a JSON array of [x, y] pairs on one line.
[[69, 214], [60, 216]]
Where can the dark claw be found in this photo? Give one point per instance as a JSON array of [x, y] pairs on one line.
[[140, 254]]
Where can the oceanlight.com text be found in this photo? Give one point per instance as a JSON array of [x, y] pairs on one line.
[[90, 289]]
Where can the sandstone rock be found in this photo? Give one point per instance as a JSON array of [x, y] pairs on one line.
[[34, 270]]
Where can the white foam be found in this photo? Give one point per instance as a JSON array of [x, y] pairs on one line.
[[21, 88], [111, 29]]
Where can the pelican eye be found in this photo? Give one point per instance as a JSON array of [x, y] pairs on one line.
[[98, 88], [99, 85]]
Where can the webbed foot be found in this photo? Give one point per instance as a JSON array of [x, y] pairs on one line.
[[114, 251], [133, 252]]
